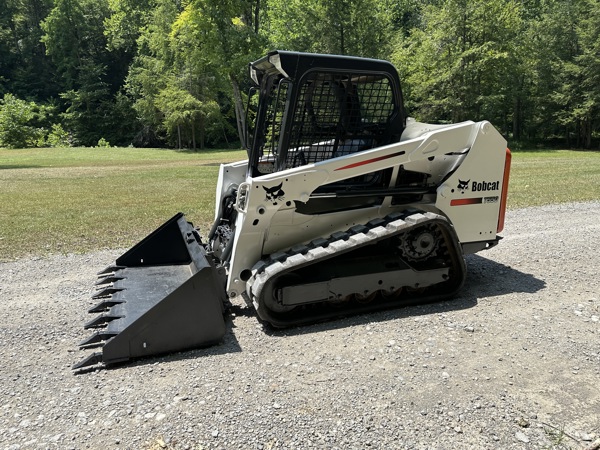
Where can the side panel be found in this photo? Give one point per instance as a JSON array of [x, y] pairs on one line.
[[308, 227], [472, 196], [230, 175]]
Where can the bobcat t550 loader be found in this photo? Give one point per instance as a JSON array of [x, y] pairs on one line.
[[343, 206]]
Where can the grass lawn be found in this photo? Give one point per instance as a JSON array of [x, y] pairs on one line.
[[82, 199], [554, 176]]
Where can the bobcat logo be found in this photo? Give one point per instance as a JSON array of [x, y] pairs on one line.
[[275, 193], [463, 185]]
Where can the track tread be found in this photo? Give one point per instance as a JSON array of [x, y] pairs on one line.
[[338, 243]]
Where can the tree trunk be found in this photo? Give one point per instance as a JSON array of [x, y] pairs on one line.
[[516, 128], [179, 136], [240, 113], [257, 17], [588, 133], [193, 135], [202, 128]]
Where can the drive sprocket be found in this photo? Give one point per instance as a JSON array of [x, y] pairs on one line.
[[421, 243]]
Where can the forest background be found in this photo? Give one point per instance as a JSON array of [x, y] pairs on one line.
[[174, 73]]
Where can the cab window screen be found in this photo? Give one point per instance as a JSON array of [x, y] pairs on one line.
[[338, 114]]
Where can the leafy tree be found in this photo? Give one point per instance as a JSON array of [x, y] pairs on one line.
[[227, 35], [575, 77], [90, 75], [202, 49], [73, 34], [124, 24], [405, 15], [185, 114], [19, 123], [212, 42], [347, 27], [529, 66], [557, 90], [150, 71], [24, 67], [588, 110], [89, 105], [8, 57], [461, 64]]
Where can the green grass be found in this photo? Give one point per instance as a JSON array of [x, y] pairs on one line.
[[553, 176], [76, 200], [82, 199]]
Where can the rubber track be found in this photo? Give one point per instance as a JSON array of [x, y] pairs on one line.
[[338, 243]]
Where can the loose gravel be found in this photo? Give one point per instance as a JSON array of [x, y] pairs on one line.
[[513, 362]]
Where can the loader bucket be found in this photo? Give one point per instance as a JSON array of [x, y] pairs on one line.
[[163, 295]]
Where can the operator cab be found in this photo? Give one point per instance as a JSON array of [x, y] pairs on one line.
[[316, 107]]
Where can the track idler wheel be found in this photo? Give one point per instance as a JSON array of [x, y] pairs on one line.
[[366, 297], [391, 294]]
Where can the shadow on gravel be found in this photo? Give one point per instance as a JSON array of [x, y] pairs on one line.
[[401, 312], [488, 278], [229, 344], [485, 278]]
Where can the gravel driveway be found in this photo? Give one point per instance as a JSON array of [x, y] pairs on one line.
[[512, 363]]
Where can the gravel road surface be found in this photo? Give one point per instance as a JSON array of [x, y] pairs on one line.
[[512, 363]]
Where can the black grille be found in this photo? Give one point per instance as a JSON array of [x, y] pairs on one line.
[[338, 114], [273, 123]]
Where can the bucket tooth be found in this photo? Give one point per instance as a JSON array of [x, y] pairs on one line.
[[110, 269], [104, 305], [107, 292], [109, 279], [101, 320], [92, 360], [97, 339]]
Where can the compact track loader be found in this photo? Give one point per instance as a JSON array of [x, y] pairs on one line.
[[343, 206]]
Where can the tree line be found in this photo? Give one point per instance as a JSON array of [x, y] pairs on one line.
[[174, 72]]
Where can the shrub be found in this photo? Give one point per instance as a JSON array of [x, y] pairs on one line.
[[17, 123], [58, 137], [103, 143]]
